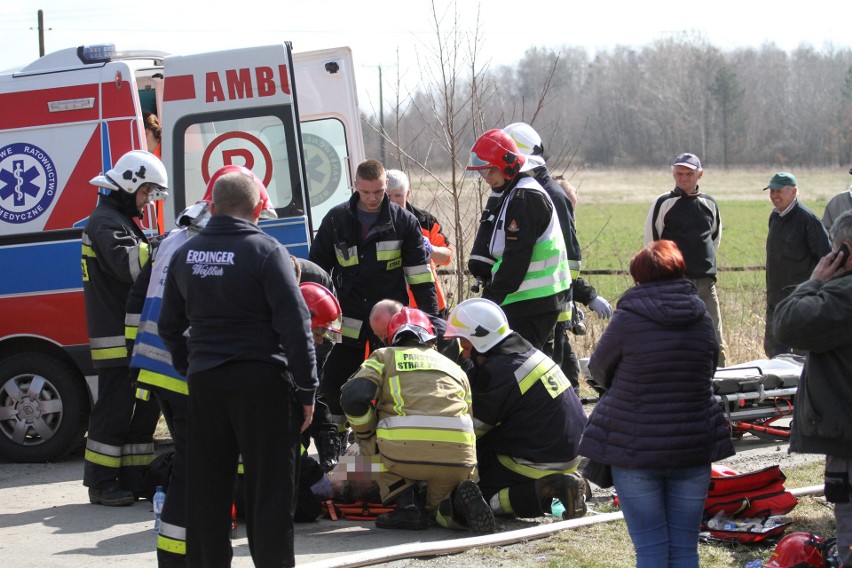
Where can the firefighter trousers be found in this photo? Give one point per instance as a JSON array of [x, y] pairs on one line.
[[120, 443], [535, 328], [246, 408], [564, 356], [171, 540], [342, 362]]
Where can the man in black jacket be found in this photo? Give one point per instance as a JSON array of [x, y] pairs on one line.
[[250, 362], [795, 243], [373, 249]]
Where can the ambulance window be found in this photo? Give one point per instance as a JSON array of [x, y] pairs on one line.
[[256, 142], [326, 155]]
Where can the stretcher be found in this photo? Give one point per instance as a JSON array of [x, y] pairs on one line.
[[756, 396]]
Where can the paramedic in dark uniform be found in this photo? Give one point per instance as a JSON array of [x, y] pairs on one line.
[[120, 442], [250, 363], [373, 250]]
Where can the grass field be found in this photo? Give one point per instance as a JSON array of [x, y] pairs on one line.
[[610, 215]]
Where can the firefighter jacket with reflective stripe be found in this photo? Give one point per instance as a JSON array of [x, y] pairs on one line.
[[524, 406], [381, 265], [150, 356], [416, 403], [114, 251], [532, 262], [431, 229]]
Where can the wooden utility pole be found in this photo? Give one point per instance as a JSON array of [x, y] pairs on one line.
[[41, 33]]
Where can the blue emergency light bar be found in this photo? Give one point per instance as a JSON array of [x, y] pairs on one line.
[[99, 53]]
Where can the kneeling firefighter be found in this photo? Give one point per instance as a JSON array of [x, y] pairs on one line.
[[528, 418], [410, 406]]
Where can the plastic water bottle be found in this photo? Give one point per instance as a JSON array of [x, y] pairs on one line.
[[159, 501], [557, 508]]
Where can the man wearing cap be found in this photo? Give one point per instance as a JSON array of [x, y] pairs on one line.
[[691, 219], [795, 243], [836, 206]]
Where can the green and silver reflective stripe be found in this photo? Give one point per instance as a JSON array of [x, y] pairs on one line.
[[463, 423], [106, 348], [538, 470], [481, 428], [155, 353], [505, 502], [137, 258], [361, 420], [395, 392], [574, 267], [375, 365], [388, 250], [131, 325], [566, 313], [419, 274], [346, 256], [172, 538], [547, 273], [417, 435], [137, 454], [486, 259], [103, 454], [163, 381], [350, 327], [538, 367]]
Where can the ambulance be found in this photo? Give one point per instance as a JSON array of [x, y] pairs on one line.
[[290, 117]]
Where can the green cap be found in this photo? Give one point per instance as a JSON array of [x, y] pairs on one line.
[[781, 179]]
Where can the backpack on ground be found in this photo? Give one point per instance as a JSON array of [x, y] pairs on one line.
[[747, 507]]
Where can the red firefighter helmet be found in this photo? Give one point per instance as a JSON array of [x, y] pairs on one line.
[[496, 149], [268, 211], [410, 321], [797, 549], [324, 309]]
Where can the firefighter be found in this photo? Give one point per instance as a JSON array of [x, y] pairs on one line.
[[530, 276], [530, 144], [410, 406], [373, 249], [120, 441], [152, 364], [528, 418]]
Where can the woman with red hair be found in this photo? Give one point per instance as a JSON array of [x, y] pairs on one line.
[[657, 425]]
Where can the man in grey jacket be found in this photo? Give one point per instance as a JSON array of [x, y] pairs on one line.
[[817, 317]]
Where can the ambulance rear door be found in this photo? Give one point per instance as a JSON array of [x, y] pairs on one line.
[[326, 96]]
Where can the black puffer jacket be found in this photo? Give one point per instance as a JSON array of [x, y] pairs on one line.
[[656, 359]]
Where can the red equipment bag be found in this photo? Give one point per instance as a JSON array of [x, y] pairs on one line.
[[355, 511], [750, 499], [758, 493]]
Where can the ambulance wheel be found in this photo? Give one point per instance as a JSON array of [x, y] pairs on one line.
[[44, 408]]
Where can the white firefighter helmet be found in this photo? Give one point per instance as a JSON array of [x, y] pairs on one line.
[[528, 142], [133, 170], [480, 321]]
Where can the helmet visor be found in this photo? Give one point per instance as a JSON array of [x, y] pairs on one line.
[[477, 163]]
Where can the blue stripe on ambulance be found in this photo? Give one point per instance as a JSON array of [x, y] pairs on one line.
[[42, 267]]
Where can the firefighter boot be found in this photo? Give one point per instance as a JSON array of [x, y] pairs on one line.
[[570, 489], [110, 494], [407, 514], [328, 449], [467, 508]]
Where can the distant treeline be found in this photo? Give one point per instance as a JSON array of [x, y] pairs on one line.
[[634, 106]]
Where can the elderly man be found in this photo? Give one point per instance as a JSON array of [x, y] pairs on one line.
[[691, 219], [436, 243], [817, 317], [795, 243]]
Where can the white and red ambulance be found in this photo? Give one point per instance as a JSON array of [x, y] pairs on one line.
[[290, 117]]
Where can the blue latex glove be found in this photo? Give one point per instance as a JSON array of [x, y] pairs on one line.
[[601, 307], [427, 245]]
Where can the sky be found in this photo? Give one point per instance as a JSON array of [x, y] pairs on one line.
[[390, 33]]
